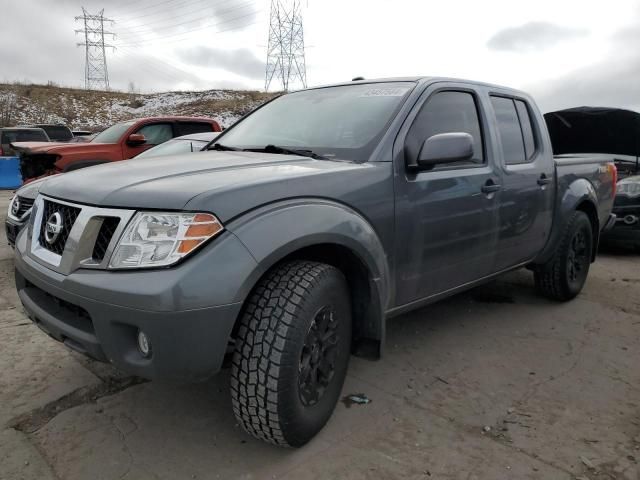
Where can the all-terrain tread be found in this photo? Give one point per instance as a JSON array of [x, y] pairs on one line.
[[548, 278], [257, 359]]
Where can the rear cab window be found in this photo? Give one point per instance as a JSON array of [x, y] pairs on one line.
[[187, 128], [58, 132], [515, 128]]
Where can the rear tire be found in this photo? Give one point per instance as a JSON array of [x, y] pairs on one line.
[[291, 354], [564, 275]]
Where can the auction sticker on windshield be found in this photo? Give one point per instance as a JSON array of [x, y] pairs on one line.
[[385, 92]]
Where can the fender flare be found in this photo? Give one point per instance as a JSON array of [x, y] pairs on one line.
[[272, 232], [577, 194]]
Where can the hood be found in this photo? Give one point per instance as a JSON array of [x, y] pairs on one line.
[[61, 147], [31, 189], [225, 183]]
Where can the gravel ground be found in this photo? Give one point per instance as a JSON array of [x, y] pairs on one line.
[[491, 384]]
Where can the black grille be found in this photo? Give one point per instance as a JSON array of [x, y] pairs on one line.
[[108, 228], [68, 214], [64, 311], [25, 204]]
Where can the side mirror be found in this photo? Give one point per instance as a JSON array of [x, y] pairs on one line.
[[136, 139], [445, 148]]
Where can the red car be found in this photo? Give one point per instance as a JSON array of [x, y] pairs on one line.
[[119, 142]]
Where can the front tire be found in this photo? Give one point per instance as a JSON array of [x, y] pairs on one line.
[[291, 354], [564, 275]]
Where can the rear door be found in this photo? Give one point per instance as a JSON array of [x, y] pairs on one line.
[[527, 199], [446, 218]]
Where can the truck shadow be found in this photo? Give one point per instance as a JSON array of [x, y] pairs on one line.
[[189, 431]]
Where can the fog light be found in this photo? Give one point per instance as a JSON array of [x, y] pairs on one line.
[[144, 344]]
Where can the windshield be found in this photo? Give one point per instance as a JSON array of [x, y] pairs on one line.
[[58, 133], [174, 147], [113, 134], [343, 122]]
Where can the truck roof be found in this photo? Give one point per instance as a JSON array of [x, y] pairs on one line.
[[172, 117], [417, 79]]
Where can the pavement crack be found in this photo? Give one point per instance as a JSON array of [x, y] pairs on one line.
[[125, 446], [13, 325], [34, 420]]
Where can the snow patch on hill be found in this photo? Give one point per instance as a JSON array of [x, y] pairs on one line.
[[95, 110]]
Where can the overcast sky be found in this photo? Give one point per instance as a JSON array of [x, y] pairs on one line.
[[565, 52]]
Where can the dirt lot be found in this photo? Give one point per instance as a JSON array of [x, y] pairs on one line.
[[495, 383]]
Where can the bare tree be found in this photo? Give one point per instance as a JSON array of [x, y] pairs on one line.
[[7, 109]]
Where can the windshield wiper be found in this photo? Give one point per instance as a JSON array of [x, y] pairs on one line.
[[223, 148], [288, 151]]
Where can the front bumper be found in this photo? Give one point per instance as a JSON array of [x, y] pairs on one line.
[[626, 228], [99, 313], [610, 223]]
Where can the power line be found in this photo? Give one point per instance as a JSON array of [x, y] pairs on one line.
[[139, 29], [129, 11], [130, 18], [165, 37], [144, 61], [96, 73], [285, 50]]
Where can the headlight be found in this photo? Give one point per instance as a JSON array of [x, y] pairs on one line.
[[12, 207], [630, 189], [159, 239]]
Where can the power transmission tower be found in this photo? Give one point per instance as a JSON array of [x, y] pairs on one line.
[[285, 51], [96, 75]]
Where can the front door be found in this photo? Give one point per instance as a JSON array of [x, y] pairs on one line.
[[155, 134], [446, 230]]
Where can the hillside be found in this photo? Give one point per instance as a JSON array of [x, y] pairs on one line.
[[94, 110]]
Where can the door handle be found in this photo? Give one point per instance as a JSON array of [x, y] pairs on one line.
[[544, 180], [490, 187]]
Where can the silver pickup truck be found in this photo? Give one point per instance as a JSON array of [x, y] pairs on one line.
[[310, 222]]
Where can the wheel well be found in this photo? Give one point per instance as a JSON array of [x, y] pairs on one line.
[[367, 327], [590, 209]]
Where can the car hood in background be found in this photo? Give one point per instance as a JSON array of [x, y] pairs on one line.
[[225, 183], [594, 130], [61, 148]]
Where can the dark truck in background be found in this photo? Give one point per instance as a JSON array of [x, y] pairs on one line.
[[8, 135], [55, 132], [605, 134], [288, 248]]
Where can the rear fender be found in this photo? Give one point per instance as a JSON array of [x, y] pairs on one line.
[[579, 195]]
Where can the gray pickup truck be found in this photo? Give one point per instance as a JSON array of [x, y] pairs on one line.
[[309, 223]]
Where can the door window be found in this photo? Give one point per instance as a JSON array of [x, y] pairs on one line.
[[516, 132], [447, 112], [527, 130], [156, 133]]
